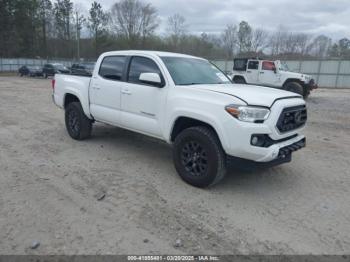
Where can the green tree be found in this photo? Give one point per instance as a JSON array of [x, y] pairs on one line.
[[97, 22], [45, 18], [25, 27], [63, 13], [244, 37], [7, 26], [344, 47]]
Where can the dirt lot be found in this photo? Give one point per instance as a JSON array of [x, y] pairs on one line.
[[49, 186]]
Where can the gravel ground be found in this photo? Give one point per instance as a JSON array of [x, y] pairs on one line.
[[50, 188]]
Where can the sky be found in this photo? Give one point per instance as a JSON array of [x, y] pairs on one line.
[[328, 17]]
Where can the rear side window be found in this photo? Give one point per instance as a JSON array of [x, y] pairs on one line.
[[253, 65], [112, 67], [268, 65], [240, 64], [141, 65]]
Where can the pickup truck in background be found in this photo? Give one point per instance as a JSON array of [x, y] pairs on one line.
[[52, 69], [84, 69], [188, 102], [271, 74]]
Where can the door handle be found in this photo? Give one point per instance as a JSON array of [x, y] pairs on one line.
[[126, 92], [249, 71], [262, 72], [96, 87]]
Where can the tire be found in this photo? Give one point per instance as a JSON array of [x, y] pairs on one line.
[[239, 80], [78, 125], [294, 87], [198, 157]]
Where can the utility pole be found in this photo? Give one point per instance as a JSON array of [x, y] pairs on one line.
[[78, 35]]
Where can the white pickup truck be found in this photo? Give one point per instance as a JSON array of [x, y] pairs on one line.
[[271, 74], [188, 102]]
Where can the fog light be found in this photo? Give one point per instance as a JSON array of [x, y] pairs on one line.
[[255, 140], [258, 140]]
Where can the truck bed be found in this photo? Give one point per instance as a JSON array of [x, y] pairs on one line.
[[72, 84]]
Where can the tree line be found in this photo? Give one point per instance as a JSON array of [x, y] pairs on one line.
[[59, 29]]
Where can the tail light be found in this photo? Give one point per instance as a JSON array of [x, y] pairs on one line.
[[53, 82]]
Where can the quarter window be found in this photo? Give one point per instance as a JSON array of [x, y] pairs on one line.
[[112, 67], [141, 65]]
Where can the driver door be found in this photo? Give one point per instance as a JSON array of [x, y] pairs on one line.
[[268, 74], [143, 104]]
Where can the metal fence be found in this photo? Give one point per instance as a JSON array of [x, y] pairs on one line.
[[13, 64], [327, 73]]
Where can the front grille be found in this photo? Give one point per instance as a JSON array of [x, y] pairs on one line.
[[292, 118]]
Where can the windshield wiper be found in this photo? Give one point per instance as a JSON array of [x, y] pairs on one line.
[[190, 84]]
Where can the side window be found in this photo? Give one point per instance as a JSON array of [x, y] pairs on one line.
[[268, 65], [141, 65], [253, 65], [112, 67]]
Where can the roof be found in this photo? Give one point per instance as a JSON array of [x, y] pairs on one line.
[[143, 52]]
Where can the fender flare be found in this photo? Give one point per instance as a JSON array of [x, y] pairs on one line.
[[207, 119], [84, 105]]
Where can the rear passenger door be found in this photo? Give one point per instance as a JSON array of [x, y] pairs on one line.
[[105, 87], [143, 104]]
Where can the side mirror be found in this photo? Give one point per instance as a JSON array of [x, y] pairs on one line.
[[275, 70], [151, 79]]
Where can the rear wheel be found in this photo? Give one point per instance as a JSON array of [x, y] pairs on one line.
[[198, 157], [295, 88], [78, 125]]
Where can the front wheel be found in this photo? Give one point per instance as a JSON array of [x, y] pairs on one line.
[[78, 125], [239, 80], [198, 157], [294, 87]]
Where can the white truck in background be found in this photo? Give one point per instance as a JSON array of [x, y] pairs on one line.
[[271, 74], [189, 103]]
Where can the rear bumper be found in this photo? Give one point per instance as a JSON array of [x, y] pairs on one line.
[[54, 100]]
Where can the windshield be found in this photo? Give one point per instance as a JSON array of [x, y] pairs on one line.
[[284, 67], [60, 67], [193, 71]]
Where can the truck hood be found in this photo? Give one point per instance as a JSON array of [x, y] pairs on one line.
[[302, 77], [250, 94]]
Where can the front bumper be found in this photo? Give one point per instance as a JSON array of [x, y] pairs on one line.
[[237, 138], [311, 85], [284, 156], [283, 149]]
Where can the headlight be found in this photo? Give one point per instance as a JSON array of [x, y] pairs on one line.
[[248, 113], [306, 78]]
